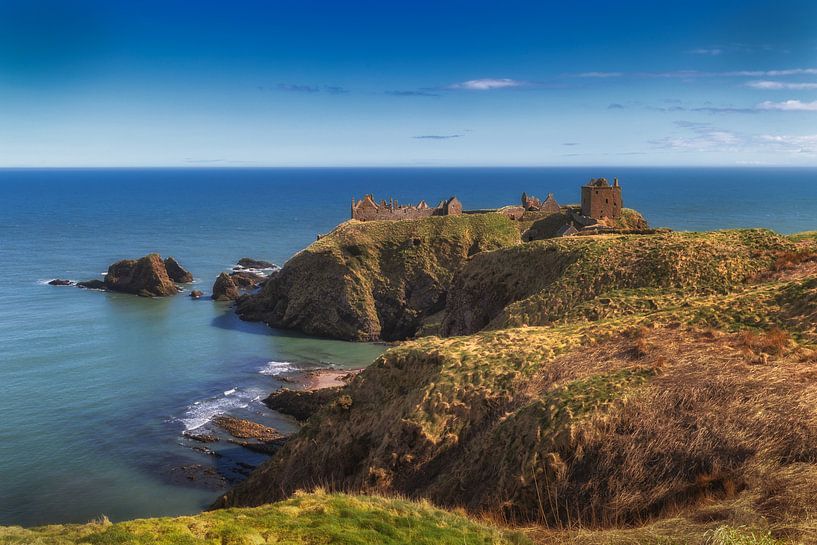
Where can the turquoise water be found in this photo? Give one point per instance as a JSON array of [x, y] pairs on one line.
[[96, 388]]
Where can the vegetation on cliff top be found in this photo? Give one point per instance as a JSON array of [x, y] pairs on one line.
[[543, 281], [375, 280], [311, 519], [675, 398]]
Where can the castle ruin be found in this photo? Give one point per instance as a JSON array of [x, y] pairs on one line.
[[601, 200], [533, 204], [367, 209]]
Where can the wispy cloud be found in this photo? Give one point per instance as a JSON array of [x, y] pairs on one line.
[[792, 143], [601, 75], [775, 85], [335, 90], [699, 137], [488, 84], [295, 88], [706, 108], [308, 89], [570, 143], [615, 106], [690, 74], [438, 136], [789, 106], [708, 51], [412, 93]]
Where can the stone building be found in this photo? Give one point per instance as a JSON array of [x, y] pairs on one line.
[[533, 204], [367, 209], [601, 200]]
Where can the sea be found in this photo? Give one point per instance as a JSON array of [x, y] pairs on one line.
[[98, 389]]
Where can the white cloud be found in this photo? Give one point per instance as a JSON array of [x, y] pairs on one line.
[[773, 85], [791, 143], [700, 74], [600, 74], [487, 84], [789, 106], [712, 52], [704, 137]]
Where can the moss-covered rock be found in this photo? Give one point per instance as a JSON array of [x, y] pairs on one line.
[[375, 280]]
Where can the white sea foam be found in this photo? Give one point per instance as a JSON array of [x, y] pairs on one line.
[[266, 271], [201, 412], [275, 368]]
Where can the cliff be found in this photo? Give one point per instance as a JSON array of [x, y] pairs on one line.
[[375, 280], [542, 281], [674, 397], [305, 519]]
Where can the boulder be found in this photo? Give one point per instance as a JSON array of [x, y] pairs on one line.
[[176, 272], [224, 289], [196, 294], [146, 277], [60, 282], [301, 404], [91, 285], [249, 263], [246, 280]]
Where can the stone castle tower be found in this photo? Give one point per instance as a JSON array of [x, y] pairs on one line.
[[602, 200]]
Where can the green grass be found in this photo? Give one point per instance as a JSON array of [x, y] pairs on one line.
[[543, 281], [312, 519]]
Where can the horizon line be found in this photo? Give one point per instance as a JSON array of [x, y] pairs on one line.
[[327, 167]]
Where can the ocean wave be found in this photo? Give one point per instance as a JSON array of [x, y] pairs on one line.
[[262, 272], [274, 368], [201, 412]]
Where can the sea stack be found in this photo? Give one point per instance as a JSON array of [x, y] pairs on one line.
[[146, 276]]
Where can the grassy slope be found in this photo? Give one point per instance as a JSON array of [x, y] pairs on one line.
[[305, 519], [539, 282], [376, 280], [690, 402]]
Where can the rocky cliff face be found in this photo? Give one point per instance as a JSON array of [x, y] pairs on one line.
[[375, 280], [146, 276], [225, 289], [176, 272]]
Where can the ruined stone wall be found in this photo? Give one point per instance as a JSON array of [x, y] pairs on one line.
[[368, 210], [387, 214]]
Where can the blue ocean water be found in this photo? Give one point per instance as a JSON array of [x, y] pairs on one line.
[[96, 388]]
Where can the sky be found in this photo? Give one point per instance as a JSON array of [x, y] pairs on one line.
[[407, 83]]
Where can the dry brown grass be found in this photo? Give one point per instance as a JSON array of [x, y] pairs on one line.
[[774, 341], [653, 424]]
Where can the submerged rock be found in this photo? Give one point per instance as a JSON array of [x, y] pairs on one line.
[[147, 277], [91, 284], [176, 272], [60, 282], [224, 289], [196, 294], [249, 263], [246, 429]]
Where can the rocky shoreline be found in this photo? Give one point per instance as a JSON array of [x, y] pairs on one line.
[[309, 390]]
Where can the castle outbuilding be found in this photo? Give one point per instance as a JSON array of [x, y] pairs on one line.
[[367, 209], [602, 200]]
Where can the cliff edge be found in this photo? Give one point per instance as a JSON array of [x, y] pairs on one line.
[[375, 280]]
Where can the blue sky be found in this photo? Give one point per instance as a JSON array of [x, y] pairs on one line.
[[421, 83]]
